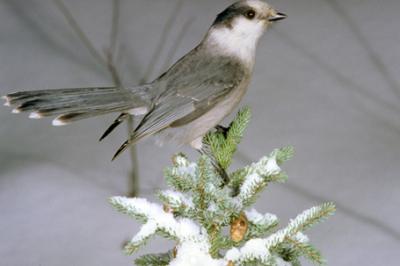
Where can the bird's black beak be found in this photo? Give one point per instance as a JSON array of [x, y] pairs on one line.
[[278, 16]]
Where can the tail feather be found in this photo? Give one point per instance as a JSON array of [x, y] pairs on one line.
[[132, 140], [66, 119], [24, 96], [116, 123], [71, 105], [121, 149]]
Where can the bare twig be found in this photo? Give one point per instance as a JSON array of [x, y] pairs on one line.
[[165, 33], [177, 43], [363, 41], [111, 55], [111, 52], [79, 32], [113, 69], [133, 185], [335, 73], [109, 62], [115, 26]]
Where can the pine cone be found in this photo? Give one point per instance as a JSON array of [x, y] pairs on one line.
[[239, 228], [167, 208]]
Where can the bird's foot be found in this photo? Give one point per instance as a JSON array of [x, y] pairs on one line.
[[222, 129]]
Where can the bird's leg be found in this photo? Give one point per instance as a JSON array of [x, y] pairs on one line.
[[222, 129], [221, 171], [205, 150]]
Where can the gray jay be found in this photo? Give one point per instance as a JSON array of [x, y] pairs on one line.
[[183, 104]]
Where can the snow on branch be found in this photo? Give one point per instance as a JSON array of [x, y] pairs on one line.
[[260, 249], [211, 219], [157, 220]]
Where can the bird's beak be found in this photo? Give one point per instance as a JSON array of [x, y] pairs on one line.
[[277, 16]]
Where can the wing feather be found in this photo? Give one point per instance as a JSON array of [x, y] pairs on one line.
[[192, 90], [189, 89]]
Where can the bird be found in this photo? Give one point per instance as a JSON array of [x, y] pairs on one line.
[[184, 103]]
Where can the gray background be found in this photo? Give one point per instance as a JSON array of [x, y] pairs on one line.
[[326, 81]]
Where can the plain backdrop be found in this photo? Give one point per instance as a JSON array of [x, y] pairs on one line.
[[326, 82]]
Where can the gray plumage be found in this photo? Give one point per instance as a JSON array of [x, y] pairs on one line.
[[185, 102], [192, 87], [75, 104]]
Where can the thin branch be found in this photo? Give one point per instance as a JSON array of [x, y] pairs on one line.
[[134, 186], [111, 52], [165, 33], [79, 32], [365, 44], [177, 43], [115, 26], [109, 62], [113, 69], [336, 74]]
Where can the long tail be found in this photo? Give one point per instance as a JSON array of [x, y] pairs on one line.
[[69, 105]]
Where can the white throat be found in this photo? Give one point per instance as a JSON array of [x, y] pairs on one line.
[[240, 40]]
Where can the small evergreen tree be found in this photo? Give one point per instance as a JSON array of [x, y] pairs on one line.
[[211, 219]]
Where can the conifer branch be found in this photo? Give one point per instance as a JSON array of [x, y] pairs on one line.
[[198, 209], [310, 218], [161, 259], [223, 145], [308, 251]]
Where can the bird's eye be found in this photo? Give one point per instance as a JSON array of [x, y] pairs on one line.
[[250, 14]]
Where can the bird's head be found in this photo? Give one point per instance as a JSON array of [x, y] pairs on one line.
[[248, 18], [239, 27]]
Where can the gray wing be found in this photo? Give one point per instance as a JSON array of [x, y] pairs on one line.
[[189, 89]]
